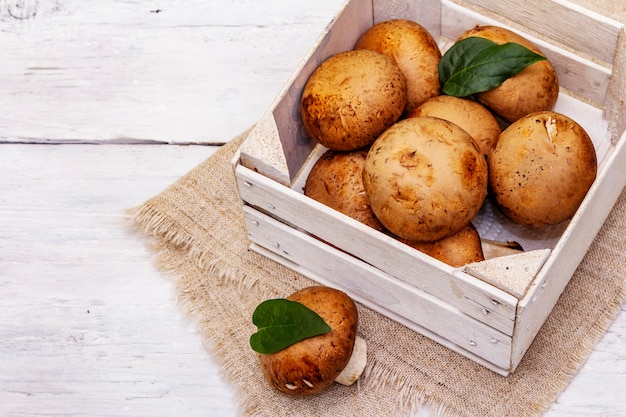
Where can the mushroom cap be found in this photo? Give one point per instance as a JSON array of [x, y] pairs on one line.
[[351, 98], [336, 180], [309, 366], [542, 168], [415, 51], [460, 249], [425, 178], [470, 115], [535, 88]]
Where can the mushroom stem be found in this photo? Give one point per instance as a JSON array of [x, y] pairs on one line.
[[356, 364], [494, 249]]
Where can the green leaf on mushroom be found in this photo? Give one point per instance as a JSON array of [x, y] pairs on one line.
[[475, 64], [281, 323]]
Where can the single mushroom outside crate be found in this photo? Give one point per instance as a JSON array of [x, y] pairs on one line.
[[308, 366]]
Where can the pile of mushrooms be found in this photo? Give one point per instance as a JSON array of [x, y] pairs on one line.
[[415, 160]]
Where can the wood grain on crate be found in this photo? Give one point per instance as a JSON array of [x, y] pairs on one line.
[[582, 30]]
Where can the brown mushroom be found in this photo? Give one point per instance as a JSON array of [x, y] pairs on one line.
[[312, 364], [415, 51], [351, 98], [470, 115], [425, 178], [535, 88], [336, 180], [542, 168], [460, 249]]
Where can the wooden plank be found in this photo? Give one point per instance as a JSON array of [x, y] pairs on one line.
[[562, 21], [89, 325], [425, 12], [379, 291], [192, 71], [340, 35], [615, 104], [470, 295]]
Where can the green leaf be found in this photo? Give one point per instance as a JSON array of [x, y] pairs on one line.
[[282, 323], [475, 64]]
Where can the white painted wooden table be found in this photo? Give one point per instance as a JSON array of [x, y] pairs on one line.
[[88, 325]]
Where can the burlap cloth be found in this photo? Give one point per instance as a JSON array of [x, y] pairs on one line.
[[197, 227]]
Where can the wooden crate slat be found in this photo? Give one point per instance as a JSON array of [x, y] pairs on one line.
[[474, 297], [414, 10], [380, 291], [340, 35], [562, 21]]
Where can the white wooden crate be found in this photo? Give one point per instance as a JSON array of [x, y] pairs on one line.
[[489, 311]]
